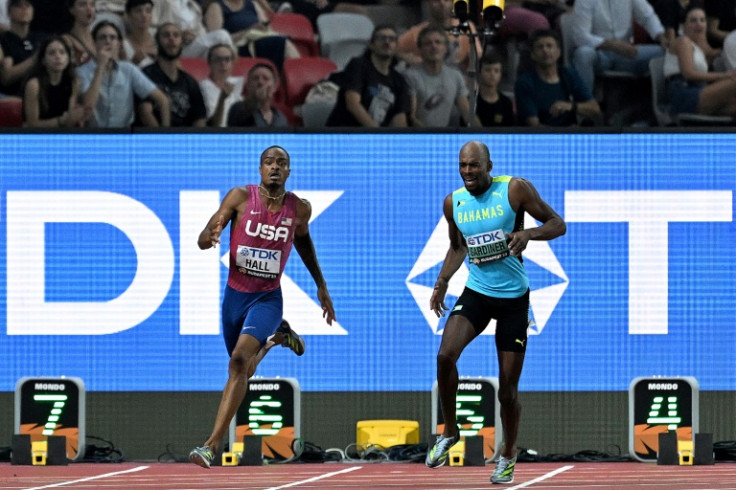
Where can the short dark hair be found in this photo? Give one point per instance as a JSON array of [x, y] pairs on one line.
[[288, 157], [540, 33], [131, 4], [490, 59], [106, 23], [13, 3], [381, 27], [429, 30], [266, 66]]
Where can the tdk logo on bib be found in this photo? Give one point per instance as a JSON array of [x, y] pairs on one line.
[[487, 247], [484, 238], [257, 253]]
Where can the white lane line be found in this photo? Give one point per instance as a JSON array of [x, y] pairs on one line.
[[106, 475], [319, 477], [543, 477]]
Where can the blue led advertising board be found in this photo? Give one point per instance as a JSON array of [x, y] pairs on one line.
[[101, 277]]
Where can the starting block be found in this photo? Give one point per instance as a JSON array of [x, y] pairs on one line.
[[252, 451], [246, 453], [685, 452], [468, 452], [232, 458], [51, 451], [457, 454], [38, 453]]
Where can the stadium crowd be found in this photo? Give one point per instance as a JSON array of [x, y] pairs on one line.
[[329, 63]]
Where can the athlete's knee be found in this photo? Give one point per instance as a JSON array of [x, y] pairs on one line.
[[445, 361], [240, 365], [508, 396]]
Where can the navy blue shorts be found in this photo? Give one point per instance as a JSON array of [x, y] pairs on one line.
[[511, 314], [683, 95], [254, 314]]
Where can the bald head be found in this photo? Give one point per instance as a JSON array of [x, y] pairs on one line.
[[477, 149]]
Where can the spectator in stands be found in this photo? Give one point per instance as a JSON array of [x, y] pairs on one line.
[[139, 44], [257, 109], [247, 23], [186, 104], [493, 108], [79, 37], [691, 87], [221, 90], [550, 94], [187, 14], [110, 85], [721, 15], [440, 15], [436, 88], [18, 46], [50, 95], [603, 34], [372, 92]]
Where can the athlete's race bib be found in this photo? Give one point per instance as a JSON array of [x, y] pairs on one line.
[[487, 247], [258, 262]]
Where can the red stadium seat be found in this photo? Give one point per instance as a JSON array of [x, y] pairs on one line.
[[298, 28], [11, 112], [300, 74], [196, 67]]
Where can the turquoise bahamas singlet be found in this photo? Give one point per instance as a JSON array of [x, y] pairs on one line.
[[484, 221]]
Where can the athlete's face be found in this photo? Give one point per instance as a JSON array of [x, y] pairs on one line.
[[275, 167], [475, 168]]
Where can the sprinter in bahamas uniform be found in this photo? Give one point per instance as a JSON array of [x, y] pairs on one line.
[[265, 221], [485, 221]]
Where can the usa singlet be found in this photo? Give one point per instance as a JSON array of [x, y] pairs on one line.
[[484, 221], [260, 244]]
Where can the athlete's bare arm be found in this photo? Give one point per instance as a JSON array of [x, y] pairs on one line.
[[523, 197], [305, 248], [230, 208], [453, 260]]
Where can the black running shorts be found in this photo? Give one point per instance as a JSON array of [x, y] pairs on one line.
[[511, 314]]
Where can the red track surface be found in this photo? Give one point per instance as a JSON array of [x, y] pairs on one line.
[[181, 476]]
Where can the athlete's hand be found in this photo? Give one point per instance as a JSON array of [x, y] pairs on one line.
[[217, 231], [517, 242], [328, 312], [437, 301]]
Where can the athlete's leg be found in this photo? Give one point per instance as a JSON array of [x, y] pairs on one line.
[[272, 341], [509, 368], [511, 340], [457, 335], [242, 366]]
